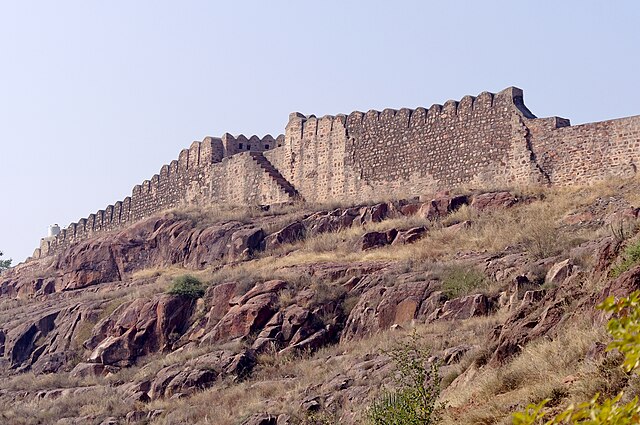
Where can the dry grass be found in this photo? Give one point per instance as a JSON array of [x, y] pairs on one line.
[[90, 402], [534, 226], [542, 370], [281, 382]]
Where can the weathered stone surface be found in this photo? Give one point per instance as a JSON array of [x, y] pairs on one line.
[[243, 319], [196, 374], [142, 327], [409, 236], [84, 370], [465, 308], [441, 206], [289, 234], [380, 307], [493, 200], [371, 240], [559, 272]]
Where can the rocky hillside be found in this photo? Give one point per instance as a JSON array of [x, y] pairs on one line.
[[288, 314]]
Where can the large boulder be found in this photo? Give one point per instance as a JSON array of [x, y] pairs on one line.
[[380, 307], [243, 319], [442, 205], [141, 327], [289, 234], [184, 378]]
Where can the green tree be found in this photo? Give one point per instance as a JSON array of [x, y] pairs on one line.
[[624, 327], [4, 264]]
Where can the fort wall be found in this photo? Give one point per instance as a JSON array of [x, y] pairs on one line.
[[478, 141], [488, 141], [589, 152], [207, 172]]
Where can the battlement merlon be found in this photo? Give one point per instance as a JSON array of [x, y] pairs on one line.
[[302, 126]]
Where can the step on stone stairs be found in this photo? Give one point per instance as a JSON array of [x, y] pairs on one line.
[[267, 166]]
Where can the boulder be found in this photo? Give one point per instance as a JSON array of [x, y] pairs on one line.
[[243, 319], [559, 272], [142, 327], [441, 206], [465, 308], [219, 297], [372, 240], [380, 307], [271, 286], [409, 236], [493, 200], [289, 234], [182, 379]]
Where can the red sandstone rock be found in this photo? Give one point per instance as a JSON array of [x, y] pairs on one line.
[[493, 200], [409, 236], [142, 327], [372, 240], [379, 307], [219, 297], [559, 272], [243, 319], [289, 234], [441, 206], [465, 308], [271, 286]]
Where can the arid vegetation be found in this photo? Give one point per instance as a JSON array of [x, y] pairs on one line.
[[298, 317]]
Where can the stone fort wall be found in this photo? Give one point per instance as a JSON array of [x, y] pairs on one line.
[[214, 170], [478, 141], [488, 141]]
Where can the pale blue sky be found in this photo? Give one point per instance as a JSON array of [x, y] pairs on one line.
[[96, 95]]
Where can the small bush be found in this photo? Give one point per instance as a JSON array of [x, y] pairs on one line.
[[460, 280], [186, 286], [415, 399], [630, 257]]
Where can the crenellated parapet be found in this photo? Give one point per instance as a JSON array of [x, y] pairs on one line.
[[233, 145], [476, 140]]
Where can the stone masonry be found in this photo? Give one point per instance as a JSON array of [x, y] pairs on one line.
[[488, 141]]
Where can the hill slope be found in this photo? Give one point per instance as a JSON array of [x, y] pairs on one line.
[[292, 311]]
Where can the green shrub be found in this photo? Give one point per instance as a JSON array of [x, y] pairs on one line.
[[630, 257], [186, 286], [460, 280], [415, 398]]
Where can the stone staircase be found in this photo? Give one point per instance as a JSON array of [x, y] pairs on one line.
[[268, 167]]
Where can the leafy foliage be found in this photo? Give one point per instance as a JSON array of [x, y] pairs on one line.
[[461, 280], [610, 411], [186, 286], [624, 327], [415, 400], [630, 257], [4, 264]]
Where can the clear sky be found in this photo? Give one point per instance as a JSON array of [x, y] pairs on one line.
[[95, 96]]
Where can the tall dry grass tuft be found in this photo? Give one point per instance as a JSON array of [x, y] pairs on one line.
[[542, 370]]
